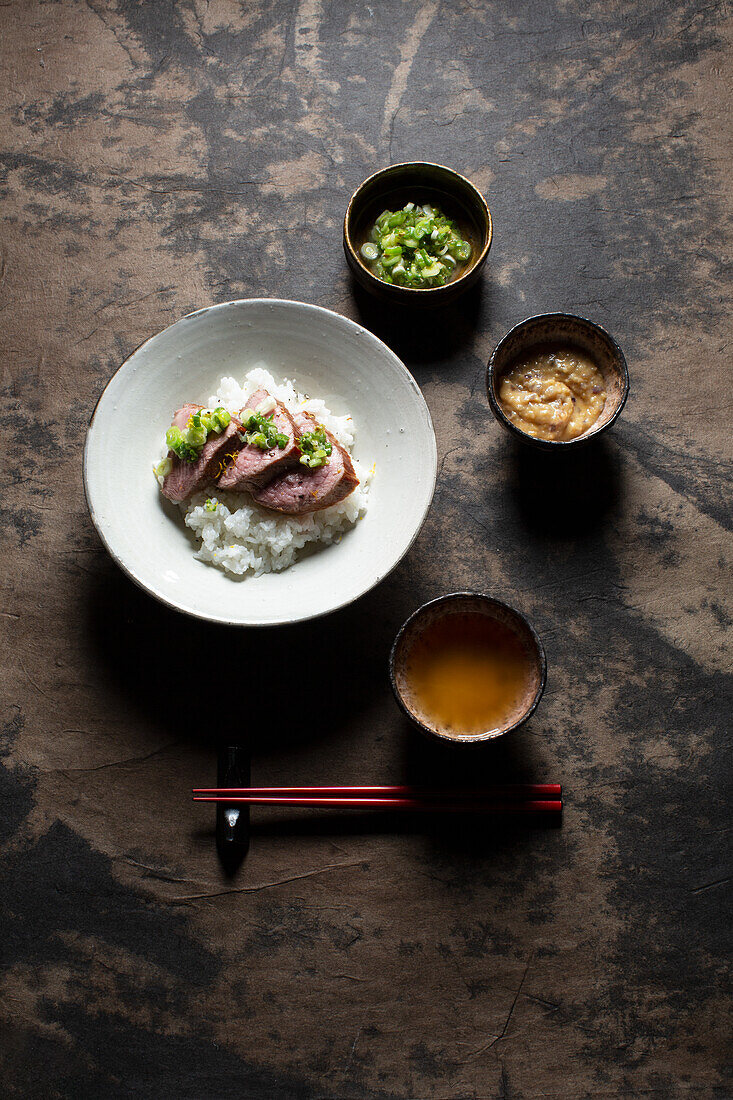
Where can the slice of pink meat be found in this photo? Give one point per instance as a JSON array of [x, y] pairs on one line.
[[186, 478], [253, 467], [303, 490]]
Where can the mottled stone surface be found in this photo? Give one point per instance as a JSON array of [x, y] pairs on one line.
[[159, 156]]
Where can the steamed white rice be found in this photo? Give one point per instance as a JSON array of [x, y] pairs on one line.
[[243, 538]]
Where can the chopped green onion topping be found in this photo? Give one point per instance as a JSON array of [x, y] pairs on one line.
[[188, 445], [416, 246], [163, 468], [260, 431], [178, 443], [315, 448], [210, 505]]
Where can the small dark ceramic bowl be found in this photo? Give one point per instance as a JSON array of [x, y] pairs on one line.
[[552, 329], [418, 182], [454, 603]]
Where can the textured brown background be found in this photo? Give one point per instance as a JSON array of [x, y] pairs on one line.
[[156, 157]]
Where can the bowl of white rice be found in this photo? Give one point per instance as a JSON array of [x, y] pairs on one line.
[[220, 556]]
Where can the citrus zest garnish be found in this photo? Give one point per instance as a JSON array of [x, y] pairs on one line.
[[224, 464]]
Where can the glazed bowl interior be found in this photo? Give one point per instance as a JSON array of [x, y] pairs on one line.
[[553, 330], [457, 603], [327, 356], [419, 182]]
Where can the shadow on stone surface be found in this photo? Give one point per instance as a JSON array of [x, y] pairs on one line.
[[194, 678], [423, 335], [566, 495], [474, 834]]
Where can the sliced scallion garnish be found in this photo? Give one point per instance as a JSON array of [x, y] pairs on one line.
[[261, 432], [315, 448], [187, 445]]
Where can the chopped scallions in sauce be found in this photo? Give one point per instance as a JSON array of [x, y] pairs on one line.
[[416, 247]]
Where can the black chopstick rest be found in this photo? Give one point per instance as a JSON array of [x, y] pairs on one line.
[[232, 822]]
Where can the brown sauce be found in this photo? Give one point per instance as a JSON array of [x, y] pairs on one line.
[[467, 674]]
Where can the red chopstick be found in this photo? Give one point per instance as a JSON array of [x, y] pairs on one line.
[[508, 791], [429, 805], [517, 799]]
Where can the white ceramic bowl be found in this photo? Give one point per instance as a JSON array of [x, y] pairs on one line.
[[328, 356]]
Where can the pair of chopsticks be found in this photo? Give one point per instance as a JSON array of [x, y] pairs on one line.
[[528, 798]]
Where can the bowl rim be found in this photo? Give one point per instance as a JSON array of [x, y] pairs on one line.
[[348, 243], [222, 621], [549, 444], [490, 735]]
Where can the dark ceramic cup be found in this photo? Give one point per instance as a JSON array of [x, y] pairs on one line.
[[499, 612], [418, 182], [549, 329]]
